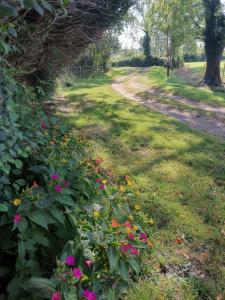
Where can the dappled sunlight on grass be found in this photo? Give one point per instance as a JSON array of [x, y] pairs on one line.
[[179, 172], [156, 77]]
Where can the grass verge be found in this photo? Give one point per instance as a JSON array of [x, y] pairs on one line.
[[179, 175]]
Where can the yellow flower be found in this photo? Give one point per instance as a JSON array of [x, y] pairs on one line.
[[151, 221], [128, 180], [104, 181], [96, 214], [137, 207], [130, 217], [16, 202], [128, 230], [122, 188], [135, 227]]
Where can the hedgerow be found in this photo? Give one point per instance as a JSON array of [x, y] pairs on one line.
[[67, 230]]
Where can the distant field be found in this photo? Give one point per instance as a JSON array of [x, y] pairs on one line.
[[198, 67]]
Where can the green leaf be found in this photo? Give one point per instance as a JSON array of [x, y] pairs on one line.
[[7, 11], [4, 180], [18, 163], [3, 207], [58, 215], [41, 287], [134, 265], [38, 8], [21, 182], [124, 270], [66, 200], [113, 257], [47, 6], [21, 249], [70, 294], [12, 31], [23, 225], [42, 218], [28, 4]]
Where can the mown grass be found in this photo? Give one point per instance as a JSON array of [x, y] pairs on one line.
[[179, 175], [156, 78]]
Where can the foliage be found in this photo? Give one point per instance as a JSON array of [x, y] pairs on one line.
[[165, 19], [100, 53], [47, 23], [138, 61], [57, 203]]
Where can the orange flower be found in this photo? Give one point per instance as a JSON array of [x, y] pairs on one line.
[[115, 223], [150, 244]]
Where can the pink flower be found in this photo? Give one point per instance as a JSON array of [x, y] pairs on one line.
[[134, 251], [143, 237], [128, 224], [98, 180], [102, 187], [43, 125], [54, 176], [89, 295], [58, 188], [88, 263], [77, 273], [126, 247], [98, 161], [66, 183], [70, 261], [17, 218], [56, 296], [131, 236]]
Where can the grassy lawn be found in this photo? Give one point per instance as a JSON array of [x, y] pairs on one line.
[[179, 175], [156, 78]]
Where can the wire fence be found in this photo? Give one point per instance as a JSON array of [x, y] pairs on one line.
[[86, 71], [222, 70]]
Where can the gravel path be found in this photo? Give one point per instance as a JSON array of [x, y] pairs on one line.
[[213, 124]]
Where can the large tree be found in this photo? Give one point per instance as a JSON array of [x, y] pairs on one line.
[[214, 37]]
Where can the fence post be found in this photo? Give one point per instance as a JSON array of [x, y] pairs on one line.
[[204, 68], [223, 72]]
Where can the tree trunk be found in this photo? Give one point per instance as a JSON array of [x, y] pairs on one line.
[[212, 74], [214, 42]]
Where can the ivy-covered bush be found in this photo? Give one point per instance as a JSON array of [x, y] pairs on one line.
[[67, 230]]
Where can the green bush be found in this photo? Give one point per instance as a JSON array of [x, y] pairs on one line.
[[139, 61], [58, 205]]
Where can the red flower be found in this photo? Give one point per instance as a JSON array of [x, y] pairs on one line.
[[102, 187], [89, 295], [17, 218], [70, 261], [143, 237], [56, 296], [43, 125], [58, 188], [88, 263], [77, 273], [134, 251], [128, 224], [131, 236], [126, 247]]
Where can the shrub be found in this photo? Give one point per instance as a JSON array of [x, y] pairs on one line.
[[66, 227], [139, 61]]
